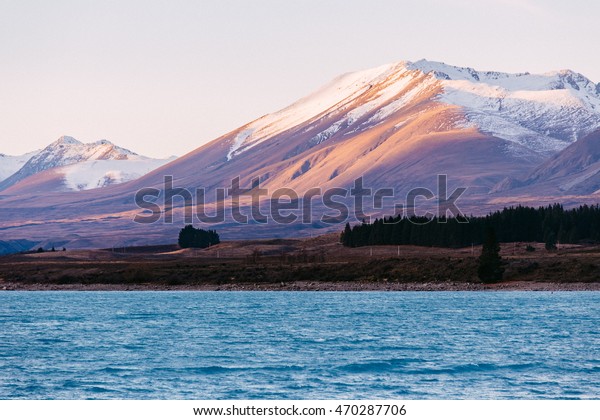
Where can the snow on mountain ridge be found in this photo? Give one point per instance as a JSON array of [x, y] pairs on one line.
[[540, 112], [511, 81], [335, 95], [544, 113]]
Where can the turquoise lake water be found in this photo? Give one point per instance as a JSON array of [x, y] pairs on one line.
[[299, 345]]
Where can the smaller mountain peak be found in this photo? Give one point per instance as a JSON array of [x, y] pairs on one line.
[[577, 81], [69, 139], [572, 75], [66, 140], [565, 71], [103, 142], [445, 71]]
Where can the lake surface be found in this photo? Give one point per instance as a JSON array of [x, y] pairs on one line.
[[299, 345]]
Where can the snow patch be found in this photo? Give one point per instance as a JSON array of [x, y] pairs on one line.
[[101, 173], [238, 142], [326, 134], [11, 164]]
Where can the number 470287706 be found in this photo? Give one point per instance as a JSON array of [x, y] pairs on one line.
[[370, 410]]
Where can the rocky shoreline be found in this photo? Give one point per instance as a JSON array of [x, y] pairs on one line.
[[302, 286]]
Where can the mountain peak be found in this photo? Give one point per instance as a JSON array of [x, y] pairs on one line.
[[66, 140], [577, 81], [444, 71], [68, 151], [103, 142]]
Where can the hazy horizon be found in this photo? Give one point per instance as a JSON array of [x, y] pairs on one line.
[[163, 79]]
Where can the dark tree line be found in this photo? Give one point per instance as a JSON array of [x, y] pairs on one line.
[[514, 224], [190, 237]]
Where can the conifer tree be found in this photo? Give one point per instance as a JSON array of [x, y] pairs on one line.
[[551, 242], [346, 237], [490, 263]]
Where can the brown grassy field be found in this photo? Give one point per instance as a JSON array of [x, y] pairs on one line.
[[319, 263]]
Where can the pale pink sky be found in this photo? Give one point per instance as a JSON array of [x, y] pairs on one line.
[[164, 77]]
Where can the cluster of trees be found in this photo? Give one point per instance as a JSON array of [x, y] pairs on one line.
[[515, 224], [190, 237], [41, 250]]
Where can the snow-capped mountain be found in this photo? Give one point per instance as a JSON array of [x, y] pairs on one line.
[[397, 126], [68, 164], [538, 114], [402, 123], [543, 113]]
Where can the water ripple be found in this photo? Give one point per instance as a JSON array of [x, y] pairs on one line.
[[205, 345]]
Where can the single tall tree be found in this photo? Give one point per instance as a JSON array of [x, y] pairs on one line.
[[490, 263], [346, 237]]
